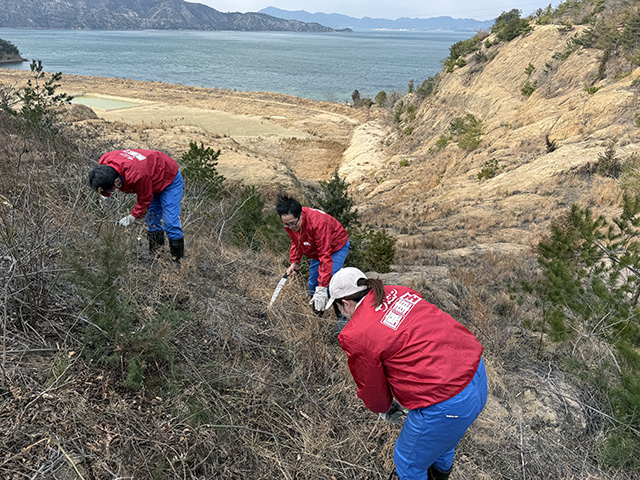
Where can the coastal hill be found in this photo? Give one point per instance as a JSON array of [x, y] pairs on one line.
[[138, 15], [338, 21], [469, 170], [9, 53]]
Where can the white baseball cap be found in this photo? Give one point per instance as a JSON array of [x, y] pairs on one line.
[[345, 283]]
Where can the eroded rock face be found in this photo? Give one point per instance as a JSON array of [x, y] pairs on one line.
[[11, 58]]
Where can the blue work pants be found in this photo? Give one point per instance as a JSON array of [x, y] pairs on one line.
[[429, 435], [338, 258], [165, 210]]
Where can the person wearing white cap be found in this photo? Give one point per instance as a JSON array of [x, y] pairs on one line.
[[405, 352]]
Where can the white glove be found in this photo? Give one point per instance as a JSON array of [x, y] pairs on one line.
[[128, 220], [395, 413], [320, 299], [105, 199]]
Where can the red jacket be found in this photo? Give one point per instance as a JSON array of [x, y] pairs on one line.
[[408, 349], [143, 172], [320, 235]]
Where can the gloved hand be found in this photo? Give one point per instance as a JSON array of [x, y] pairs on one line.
[[105, 199], [395, 414], [128, 220], [320, 299]]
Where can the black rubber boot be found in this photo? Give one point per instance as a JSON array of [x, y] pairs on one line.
[[176, 246], [156, 240], [434, 473]]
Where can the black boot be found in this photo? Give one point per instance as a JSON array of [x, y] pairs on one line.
[[156, 240], [434, 473], [176, 245]]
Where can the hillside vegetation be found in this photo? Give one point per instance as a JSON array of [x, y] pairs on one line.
[[140, 14], [117, 364]]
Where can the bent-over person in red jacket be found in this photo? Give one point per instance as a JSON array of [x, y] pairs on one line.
[[318, 236], [405, 352], [156, 180]]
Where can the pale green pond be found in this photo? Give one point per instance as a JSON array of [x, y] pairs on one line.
[[103, 103]]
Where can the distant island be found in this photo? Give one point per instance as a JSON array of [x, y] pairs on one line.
[[339, 21], [9, 53], [140, 15]]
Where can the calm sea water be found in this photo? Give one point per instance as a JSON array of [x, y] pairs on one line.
[[323, 66]]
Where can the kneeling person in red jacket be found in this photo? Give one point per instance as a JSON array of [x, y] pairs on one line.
[[404, 352], [156, 180]]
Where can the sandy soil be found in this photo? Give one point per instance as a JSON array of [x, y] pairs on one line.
[[265, 138]]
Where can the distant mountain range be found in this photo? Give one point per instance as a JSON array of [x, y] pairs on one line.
[[338, 21], [138, 15]]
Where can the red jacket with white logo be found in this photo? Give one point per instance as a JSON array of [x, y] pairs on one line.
[[319, 236], [408, 349], [143, 172]]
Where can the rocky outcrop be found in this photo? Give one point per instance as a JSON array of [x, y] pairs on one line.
[[11, 58], [138, 15]]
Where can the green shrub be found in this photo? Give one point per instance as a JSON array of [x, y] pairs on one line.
[[530, 69], [592, 90], [509, 25], [8, 48], [404, 162], [39, 99], [466, 131], [480, 57], [199, 167], [381, 98], [551, 145], [489, 169], [408, 131], [411, 87], [118, 333], [254, 230], [442, 142], [638, 120], [399, 110], [336, 201], [372, 250], [428, 87], [411, 111], [529, 87], [459, 50], [590, 288], [359, 102], [608, 163]]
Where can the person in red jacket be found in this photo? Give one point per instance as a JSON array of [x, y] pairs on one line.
[[404, 352], [318, 236], [156, 180]]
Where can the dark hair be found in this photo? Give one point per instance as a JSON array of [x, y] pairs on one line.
[[374, 284], [103, 176], [288, 205]]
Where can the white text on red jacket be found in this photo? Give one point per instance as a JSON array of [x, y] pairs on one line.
[[398, 308]]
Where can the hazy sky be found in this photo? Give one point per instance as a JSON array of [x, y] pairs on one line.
[[483, 10]]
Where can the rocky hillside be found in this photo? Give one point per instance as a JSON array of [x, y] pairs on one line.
[[544, 106], [139, 14]]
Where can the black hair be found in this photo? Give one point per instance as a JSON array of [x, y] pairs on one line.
[[288, 205], [103, 176]]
